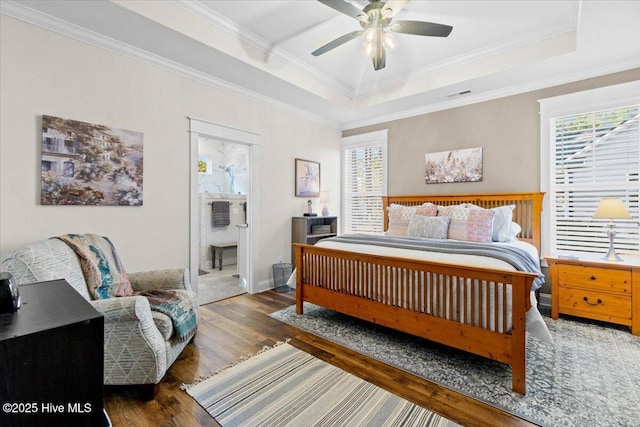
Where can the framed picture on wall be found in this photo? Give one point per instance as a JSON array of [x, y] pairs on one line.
[[453, 166], [90, 164], [307, 178]]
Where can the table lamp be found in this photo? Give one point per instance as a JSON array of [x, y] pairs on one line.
[[324, 198], [611, 208]]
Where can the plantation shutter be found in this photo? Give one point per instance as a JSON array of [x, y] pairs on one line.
[[596, 154], [364, 182]]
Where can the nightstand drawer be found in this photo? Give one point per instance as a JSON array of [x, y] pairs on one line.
[[598, 279], [596, 305]]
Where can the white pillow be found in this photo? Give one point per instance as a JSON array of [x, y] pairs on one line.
[[514, 230], [502, 223], [433, 227]]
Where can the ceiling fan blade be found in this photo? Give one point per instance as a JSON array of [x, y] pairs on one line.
[[343, 7], [421, 28], [392, 7], [335, 43]]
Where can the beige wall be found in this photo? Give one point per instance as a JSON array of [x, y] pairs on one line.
[[45, 73], [507, 129]]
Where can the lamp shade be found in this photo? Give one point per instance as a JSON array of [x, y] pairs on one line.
[[324, 197], [611, 208]]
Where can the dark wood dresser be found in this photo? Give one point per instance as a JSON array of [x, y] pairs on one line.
[[51, 359]]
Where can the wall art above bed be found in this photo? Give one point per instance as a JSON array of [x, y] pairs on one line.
[[89, 164], [453, 166]]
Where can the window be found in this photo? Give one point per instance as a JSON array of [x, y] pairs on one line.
[[591, 153], [364, 174], [68, 169], [48, 166]]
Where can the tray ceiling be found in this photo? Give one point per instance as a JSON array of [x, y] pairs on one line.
[[263, 48]]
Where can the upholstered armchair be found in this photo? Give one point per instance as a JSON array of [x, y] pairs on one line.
[[139, 344]]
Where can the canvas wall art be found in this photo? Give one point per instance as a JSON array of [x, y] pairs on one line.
[[307, 178], [90, 164], [453, 166]]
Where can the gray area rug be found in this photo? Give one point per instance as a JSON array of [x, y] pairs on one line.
[[589, 375]]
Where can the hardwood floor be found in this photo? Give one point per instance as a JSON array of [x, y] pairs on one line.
[[240, 326]]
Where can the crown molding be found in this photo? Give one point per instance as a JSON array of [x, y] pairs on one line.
[[196, 8], [496, 94], [21, 12], [484, 52]]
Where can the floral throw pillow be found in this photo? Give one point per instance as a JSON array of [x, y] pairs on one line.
[[501, 222], [433, 227]]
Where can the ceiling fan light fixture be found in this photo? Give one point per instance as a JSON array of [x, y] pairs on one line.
[[363, 17], [389, 41], [370, 49], [376, 23], [369, 36]]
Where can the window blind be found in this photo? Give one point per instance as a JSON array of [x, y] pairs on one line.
[[596, 155], [363, 186]]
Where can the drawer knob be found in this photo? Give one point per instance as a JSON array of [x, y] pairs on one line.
[[592, 277], [586, 299]]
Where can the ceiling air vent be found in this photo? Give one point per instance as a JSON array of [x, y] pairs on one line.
[[464, 92]]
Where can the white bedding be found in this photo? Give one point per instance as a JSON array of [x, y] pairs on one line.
[[535, 323]]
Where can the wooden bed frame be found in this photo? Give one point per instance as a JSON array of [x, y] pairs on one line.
[[390, 291]]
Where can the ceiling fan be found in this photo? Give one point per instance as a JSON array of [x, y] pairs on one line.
[[375, 20]]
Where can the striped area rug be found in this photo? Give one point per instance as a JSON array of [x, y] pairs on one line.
[[284, 386]]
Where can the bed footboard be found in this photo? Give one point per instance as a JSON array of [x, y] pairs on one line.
[[481, 311]]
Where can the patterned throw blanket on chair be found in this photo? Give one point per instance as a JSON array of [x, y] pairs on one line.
[[106, 278], [180, 311]]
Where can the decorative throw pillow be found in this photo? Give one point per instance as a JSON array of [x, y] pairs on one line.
[[454, 211], [433, 227], [514, 230], [427, 209], [501, 222], [400, 215], [477, 227]]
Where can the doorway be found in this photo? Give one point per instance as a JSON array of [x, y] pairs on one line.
[[222, 190], [223, 228]]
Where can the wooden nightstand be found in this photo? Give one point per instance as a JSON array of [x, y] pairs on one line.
[[596, 289]]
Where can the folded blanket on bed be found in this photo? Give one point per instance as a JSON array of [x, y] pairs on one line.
[[520, 259]]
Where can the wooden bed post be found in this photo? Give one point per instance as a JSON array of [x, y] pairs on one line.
[[299, 287], [520, 289]]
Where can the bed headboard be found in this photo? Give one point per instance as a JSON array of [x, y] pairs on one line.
[[526, 213]]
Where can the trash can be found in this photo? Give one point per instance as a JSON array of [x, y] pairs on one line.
[[281, 273]]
